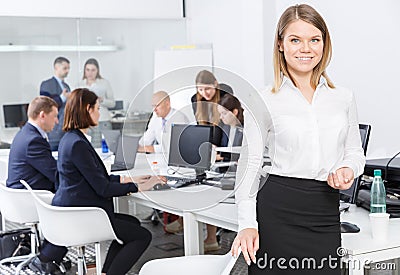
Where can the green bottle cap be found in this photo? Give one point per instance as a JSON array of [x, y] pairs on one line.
[[377, 172]]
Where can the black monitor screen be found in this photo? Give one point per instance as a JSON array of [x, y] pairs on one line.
[[15, 115], [190, 146], [350, 195], [119, 105]]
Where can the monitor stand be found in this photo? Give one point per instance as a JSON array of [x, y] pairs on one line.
[[200, 174]]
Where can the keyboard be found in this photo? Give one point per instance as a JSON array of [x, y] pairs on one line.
[[178, 182], [120, 166]]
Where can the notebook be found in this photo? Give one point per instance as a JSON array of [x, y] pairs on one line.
[[125, 154]]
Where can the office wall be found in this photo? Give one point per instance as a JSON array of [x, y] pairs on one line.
[[94, 8], [365, 54], [128, 69], [235, 30], [365, 59]]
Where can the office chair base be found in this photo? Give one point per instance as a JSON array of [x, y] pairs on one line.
[[24, 263], [82, 268], [17, 259]]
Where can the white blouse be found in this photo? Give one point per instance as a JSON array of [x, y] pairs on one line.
[[102, 88], [159, 134], [303, 140]]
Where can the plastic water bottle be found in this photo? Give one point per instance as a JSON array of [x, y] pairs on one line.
[[378, 194], [104, 147]]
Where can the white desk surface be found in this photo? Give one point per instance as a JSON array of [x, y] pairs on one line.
[[199, 204]]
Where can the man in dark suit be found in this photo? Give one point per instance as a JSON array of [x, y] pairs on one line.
[[30, 156], [58, 90]]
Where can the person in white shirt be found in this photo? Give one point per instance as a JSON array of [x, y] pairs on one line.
[[93, 81], [310, 128], [157, 136]]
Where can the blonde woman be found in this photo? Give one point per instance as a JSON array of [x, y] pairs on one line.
[[311, 131]]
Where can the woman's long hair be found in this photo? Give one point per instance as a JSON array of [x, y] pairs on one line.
[[231, 103], [202, 116], [92, 61], [307, 14]]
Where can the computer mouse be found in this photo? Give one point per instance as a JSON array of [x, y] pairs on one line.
[[160, 186], [118, 115], [346, 227]]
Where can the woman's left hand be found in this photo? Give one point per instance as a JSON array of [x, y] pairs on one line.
[[341, 179]]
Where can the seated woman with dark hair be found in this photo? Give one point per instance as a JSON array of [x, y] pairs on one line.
[[84, 181], [231, 114]]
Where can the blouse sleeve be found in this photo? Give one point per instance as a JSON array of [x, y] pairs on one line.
[[108, 100], [353, 152], [256, 125]]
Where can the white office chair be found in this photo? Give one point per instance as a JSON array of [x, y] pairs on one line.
[[3, 178], [193, 265], [3, 170], [74, 226], [17, 205]]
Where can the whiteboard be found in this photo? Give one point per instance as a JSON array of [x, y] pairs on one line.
[[175, 70]]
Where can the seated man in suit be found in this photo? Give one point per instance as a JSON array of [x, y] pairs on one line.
[[30, 156], [156, 138], [58, 90]]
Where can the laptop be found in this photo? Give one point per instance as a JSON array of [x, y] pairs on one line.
[[112, 137], [125, 154]]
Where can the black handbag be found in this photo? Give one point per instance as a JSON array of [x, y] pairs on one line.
[[15, 243]]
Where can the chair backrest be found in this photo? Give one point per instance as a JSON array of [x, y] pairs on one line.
[[72, 226], [350, 195], [17, 205], [3, 170], [193, 265]]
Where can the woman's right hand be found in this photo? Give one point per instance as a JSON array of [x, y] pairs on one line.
[[150, 182], [248, 240]]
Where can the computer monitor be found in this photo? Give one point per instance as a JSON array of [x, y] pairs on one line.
[[350, 195], [390, 169], [190, 147], [15, 115], [119, 105]]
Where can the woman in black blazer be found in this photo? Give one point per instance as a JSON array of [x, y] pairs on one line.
[[231, 114], [84, 181]]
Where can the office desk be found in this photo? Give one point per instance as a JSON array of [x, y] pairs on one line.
[[202, 204], [190, 202], [361, 248]]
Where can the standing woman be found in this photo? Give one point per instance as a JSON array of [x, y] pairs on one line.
[[84, 181], [311, 131], [93, 81]]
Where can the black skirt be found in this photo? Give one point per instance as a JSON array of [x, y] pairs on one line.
[[299, 227]]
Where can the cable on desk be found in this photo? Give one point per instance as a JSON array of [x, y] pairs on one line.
[[387, 166]]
